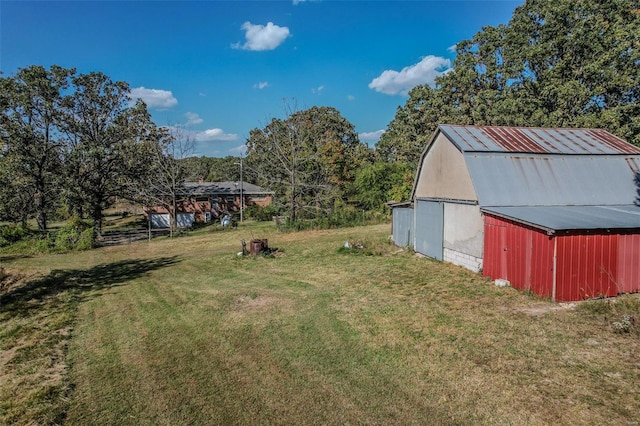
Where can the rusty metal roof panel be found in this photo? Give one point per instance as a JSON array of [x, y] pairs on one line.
[[565, 218], [536, 140], [552, 180]]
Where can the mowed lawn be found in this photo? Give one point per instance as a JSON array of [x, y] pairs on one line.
[[184, 331]]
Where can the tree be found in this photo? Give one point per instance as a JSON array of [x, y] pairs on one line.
[[163, 185], [581, 60], [383, 181], [16, 196], [109, 142], [211, 169], [31, 141], [556, 64], [308, 159], [224, 169], [408, 133]]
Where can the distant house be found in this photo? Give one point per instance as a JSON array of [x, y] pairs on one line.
[[552, 211], [206, 201]]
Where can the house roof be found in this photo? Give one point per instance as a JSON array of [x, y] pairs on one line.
[[536, 140], [224, 188], [566, 218]]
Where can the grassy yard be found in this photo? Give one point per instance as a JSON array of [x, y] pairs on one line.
[[184, 331]]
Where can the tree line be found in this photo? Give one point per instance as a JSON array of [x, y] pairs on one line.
[[565, 63], [72, 141]]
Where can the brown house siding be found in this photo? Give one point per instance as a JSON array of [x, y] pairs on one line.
[[199, 205]]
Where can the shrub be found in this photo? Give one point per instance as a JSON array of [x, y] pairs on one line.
[[75, 235], [341, 218], [261, 214], [10, 234], [624, 325]]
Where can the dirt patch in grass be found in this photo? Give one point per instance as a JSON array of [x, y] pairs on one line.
[[538, 310], [255, 302]]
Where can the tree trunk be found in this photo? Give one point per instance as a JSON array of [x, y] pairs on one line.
[[96, 216], [41, 216], [293, 198]]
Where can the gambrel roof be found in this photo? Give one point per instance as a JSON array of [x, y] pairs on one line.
[[553, 178], [536, 140]]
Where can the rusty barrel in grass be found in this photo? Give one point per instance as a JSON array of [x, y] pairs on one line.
[[258, 246]]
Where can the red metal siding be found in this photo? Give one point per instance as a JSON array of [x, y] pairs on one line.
[[542, 261], [587, 266], [491, 251], [629, 263], [518, 253]]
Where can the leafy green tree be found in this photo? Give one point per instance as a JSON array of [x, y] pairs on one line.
[[225, 169], [556, 64], [381, 182], [16, 196], [408, 133], [580, 60], [308, 159], [109, 142], [212, 169], [31, 141]]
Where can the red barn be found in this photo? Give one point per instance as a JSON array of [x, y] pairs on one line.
[[553, 211]]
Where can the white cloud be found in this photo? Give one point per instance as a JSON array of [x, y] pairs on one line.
[[318, 89], [392, 82], [351, 98], [192, 118], [241, 150], [452, 48], [154, 98], [371, 136], [215, 135], [261, 85], [262, 37]]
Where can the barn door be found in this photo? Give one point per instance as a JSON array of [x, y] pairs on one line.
[[403, 226], [429, 228]]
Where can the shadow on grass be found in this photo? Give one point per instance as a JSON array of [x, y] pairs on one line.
[[20, 299], [8, 257]]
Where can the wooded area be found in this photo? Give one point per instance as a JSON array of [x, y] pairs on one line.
[[71, 142], [556, 64]]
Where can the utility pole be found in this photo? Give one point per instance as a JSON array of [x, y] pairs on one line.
[[241, 191]]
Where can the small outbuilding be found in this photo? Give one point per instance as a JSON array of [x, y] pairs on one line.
[[552, 211]]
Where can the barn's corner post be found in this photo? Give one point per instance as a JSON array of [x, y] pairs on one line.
[[554, 275], [637, 179]]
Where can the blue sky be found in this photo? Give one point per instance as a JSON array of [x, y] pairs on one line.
[[222, 68]]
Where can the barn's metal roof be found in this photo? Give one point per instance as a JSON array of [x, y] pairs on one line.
[[553, 180], [536, 140], [566, 218]]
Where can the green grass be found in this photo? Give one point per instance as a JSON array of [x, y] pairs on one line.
[[184, 331]]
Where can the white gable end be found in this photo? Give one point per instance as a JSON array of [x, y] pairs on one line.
[[443, 173]]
